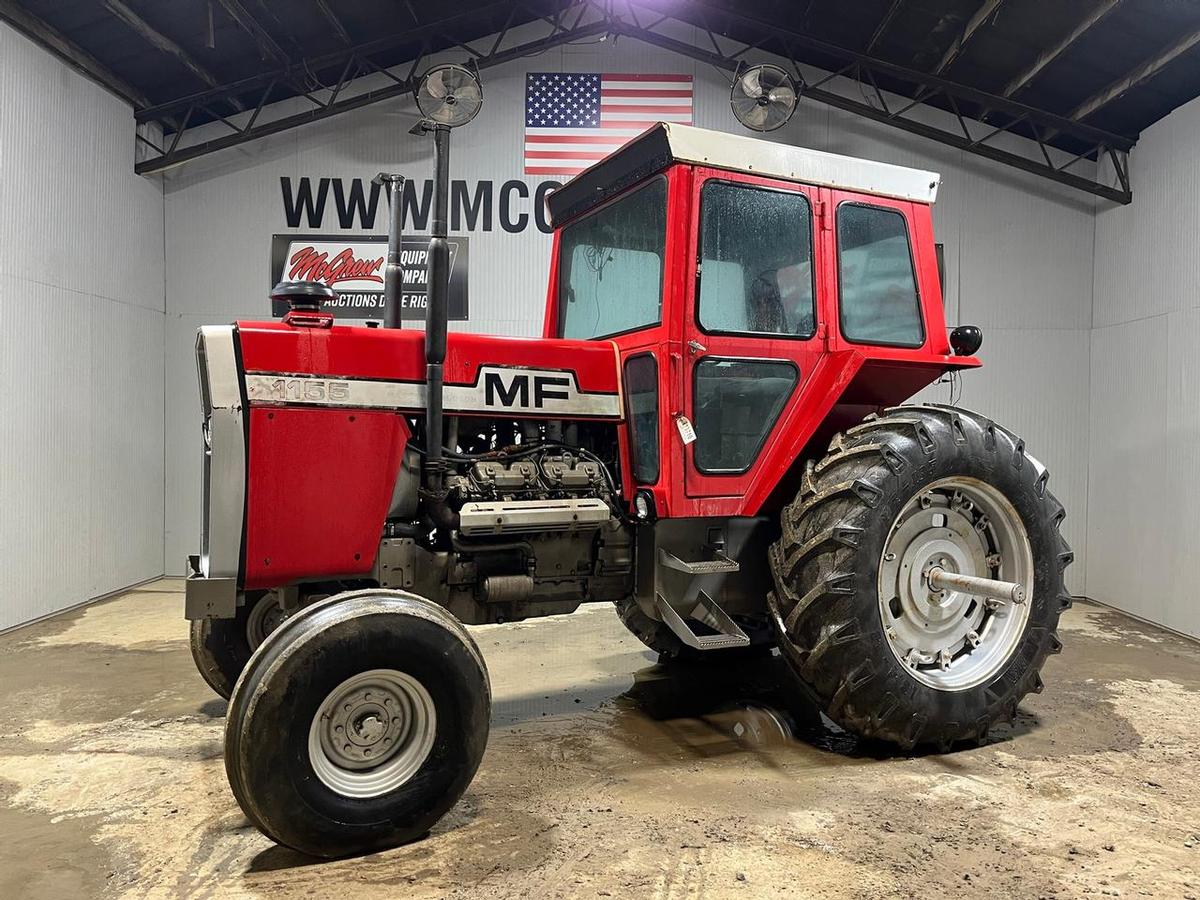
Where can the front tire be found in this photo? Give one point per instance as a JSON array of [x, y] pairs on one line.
[[885, 655], [358, 724]]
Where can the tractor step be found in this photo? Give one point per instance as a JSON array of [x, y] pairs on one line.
[[707, 612], [720, 563]]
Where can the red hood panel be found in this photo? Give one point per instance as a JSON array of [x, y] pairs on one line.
[[345, 351]]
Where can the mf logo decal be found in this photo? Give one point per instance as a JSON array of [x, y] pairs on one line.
[[516, 393]]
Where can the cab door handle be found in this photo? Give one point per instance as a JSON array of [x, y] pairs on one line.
[[695, 347]]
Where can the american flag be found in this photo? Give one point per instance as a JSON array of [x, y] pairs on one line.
[[573, 119]]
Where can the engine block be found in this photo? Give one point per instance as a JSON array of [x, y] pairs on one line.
[[542, 476]]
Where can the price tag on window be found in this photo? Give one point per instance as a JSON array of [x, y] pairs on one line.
[[686, 431]]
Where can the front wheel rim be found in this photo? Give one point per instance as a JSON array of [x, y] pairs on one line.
[[952, 640], [372, 733]]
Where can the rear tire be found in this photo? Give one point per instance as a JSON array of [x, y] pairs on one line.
[[222, 647], [655, 634], [844, 540], [357, 724]]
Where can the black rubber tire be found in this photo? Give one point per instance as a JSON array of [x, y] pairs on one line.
[[221, 647], [827, 561], [295, 669], [655, 634]]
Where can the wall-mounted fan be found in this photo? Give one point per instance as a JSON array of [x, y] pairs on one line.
[[449, 95], [763, 97]]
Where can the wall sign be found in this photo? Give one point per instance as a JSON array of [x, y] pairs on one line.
[[353, 265], [351, 203]]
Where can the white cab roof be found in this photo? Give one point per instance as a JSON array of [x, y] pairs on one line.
[[721, 150]]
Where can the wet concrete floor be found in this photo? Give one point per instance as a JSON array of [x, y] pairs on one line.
[[607, 775]]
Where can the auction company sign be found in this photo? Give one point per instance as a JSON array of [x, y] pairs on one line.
[[353, 265]]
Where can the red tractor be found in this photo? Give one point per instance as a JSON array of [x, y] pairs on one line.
[[706, 436]]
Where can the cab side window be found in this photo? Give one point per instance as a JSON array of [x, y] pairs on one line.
[[755, 261], [876, 281], [737, 402], [641, 401]]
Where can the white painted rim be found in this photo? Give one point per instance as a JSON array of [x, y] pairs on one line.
[[372, 733], [951, 640]]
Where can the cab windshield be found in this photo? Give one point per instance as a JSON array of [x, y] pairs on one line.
[[611, 266]]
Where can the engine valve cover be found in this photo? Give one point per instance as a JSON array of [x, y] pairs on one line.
[[519, 516]]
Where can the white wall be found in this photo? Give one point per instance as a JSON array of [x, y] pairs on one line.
[[1144, 521], [1018, 254], [81, 337]]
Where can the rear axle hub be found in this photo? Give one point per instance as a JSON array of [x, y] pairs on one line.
[[952, 579]]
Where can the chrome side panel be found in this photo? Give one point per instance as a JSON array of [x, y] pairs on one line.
[[219, 560], [538, 392]]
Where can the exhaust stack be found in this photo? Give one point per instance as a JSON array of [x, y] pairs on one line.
[[447, 96], [438, 281], [393, 273]]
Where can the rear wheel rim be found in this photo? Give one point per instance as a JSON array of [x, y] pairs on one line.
[[372, 733], [951, 640]]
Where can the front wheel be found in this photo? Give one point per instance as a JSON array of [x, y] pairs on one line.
[[357, 724], [890, 651]]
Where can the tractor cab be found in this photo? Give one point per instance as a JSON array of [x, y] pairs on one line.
[[758, 295]]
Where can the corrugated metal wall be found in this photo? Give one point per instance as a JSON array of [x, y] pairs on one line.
[[1018, 254], [81, 338], [1144, 521]]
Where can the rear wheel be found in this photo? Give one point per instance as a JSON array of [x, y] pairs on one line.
[[222, 647], [888, 653], [358, 724]]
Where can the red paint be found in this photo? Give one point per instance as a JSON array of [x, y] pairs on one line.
[[348, 351], [832, 370], [319, 486]]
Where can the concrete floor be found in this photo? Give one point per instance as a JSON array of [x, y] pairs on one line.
[[609, 776]]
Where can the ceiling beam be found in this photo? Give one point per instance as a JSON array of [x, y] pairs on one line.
[[267, 15], [859, 70], [1138, 76], [882, 27], [267, 45], [792, 39], [335, 59], [70, 52], [161, 42], [959, 140], [976, 22], [334, 22], [562, 34], [1023, 78]]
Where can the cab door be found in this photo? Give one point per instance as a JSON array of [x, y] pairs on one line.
[[754, 328]]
